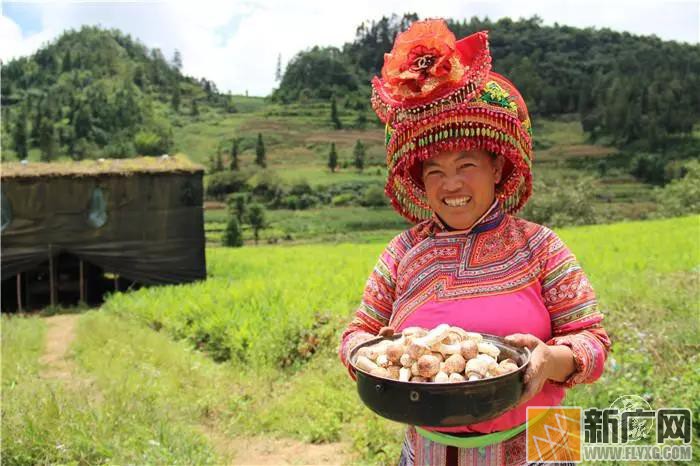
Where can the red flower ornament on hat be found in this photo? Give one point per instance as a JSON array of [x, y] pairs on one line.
[[424, 59]]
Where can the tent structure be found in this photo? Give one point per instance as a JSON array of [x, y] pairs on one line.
[[68, 228]]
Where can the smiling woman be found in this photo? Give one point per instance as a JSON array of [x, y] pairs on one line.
[[459, 152], [460, 186]]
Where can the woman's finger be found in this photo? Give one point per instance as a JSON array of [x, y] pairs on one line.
[[523, 339]]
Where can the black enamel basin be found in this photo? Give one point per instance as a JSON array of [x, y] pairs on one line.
[[444, 404]]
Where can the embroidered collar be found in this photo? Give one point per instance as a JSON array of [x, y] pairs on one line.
[[490, 220]]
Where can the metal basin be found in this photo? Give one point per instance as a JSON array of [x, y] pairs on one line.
[[444, 404]]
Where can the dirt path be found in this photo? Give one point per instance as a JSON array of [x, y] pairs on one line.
[[252, 451], [267, 451], [59, 335]]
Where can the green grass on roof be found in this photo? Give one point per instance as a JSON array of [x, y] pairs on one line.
[[178, 163]]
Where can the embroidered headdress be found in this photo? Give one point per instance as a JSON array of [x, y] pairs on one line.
[[439, 94]]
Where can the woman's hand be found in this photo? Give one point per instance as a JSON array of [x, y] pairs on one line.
[[386, 332], [546, 362]]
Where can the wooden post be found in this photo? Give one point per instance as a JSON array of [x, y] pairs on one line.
[[82, 283], [116, 282], [19, 292], [51, 278]]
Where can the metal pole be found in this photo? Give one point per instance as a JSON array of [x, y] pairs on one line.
[[82, 283], [51, 278], [19, 292]]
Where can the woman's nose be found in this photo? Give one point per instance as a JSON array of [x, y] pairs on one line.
[[452, 183]]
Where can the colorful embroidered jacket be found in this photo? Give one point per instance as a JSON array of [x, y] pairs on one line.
[[505, 275]]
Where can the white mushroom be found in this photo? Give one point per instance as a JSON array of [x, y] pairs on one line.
[[382, 360], [406, 360], [404, 374], [490, 362], [365, 364], [455, 363], [456, 377], [380, 372], [452, 348], [476, 369], [422, 345], [440, 377], [428, 365], [394, 372], [469, 349], [477, 337], [394, 352], [488, 348]]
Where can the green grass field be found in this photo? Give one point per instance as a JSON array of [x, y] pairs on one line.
[[273, 316]]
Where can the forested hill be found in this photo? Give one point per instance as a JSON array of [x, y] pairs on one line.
[[96, 89], [626, 88]]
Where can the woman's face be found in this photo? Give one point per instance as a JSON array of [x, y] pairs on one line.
[[461, 185]]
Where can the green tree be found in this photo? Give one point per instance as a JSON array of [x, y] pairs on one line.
[[334, 114], [332, 158], [233, 236], [256, 219], [194, 111], [19, 136], [238, 205], [359, 153], [47, 139], [260, 151], [175, 100], [82, 122], [233, 166]]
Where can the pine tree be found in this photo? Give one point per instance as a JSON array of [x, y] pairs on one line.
[[334, 114], [359, 153], [256, 218], [260, 151], [332, 158], [233, 236], [177, 60], [278, 69], [195, 109], [233, 166]]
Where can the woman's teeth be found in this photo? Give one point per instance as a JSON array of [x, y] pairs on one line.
[[457, 201]]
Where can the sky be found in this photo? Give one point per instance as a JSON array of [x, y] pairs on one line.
[[236, 43]]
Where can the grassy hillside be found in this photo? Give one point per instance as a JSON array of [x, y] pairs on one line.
[[274, 315]]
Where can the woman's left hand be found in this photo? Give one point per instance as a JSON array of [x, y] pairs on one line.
[[541, 363]]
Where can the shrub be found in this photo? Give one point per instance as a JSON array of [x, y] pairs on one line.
[[682, 196], [374, 197], [226, 182], [344, 199], [559, 203]]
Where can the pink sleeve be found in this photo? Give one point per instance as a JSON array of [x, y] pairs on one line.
[[573, 308], [375, 308]]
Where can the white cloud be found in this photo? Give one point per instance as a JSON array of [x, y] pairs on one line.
[[236, 43]]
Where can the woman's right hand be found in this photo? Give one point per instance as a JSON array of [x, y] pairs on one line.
[[386, 332]]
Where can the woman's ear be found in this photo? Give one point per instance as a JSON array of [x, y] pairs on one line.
[[498, 162]]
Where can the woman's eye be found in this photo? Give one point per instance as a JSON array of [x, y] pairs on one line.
[[465, 165]]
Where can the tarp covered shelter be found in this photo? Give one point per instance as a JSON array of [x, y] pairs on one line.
[[140, 218]]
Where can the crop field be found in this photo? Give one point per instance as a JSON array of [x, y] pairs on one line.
[[250, 352]]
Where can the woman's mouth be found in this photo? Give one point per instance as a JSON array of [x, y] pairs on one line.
[[456, 201]]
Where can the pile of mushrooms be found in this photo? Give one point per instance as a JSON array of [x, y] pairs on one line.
[[443, 354]]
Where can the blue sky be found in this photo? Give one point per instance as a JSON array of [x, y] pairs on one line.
[[236, 43]]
